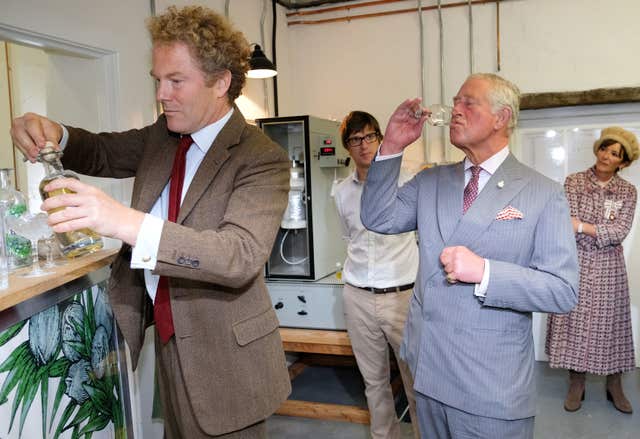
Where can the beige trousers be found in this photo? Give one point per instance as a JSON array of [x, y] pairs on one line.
[[375, 321]]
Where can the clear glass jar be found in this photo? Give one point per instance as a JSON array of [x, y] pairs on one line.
[[13, 202], [78, 242]]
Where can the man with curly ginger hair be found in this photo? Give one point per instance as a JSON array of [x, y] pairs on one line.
[[208, 197]]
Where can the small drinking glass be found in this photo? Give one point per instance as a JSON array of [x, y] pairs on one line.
[[51, 244], [440, 115], [32, 227]]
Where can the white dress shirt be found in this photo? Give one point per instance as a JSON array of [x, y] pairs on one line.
[[145, 253], [373, 260], [489, 167]]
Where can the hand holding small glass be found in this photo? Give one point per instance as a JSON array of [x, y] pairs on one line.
[[438, 114]]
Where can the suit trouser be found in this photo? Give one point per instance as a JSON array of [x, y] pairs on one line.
[[179, 419], [374, 321], [440, 421]]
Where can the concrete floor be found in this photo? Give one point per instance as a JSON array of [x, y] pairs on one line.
[[597, 419]]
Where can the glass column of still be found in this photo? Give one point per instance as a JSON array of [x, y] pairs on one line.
[[78, 242], [295, 217]]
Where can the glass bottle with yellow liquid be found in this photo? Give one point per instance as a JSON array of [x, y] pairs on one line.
[[78, 242]]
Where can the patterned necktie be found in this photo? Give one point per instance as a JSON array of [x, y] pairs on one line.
[[161, 305], [471, 190]]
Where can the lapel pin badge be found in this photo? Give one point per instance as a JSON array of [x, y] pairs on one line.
[[500, 184]]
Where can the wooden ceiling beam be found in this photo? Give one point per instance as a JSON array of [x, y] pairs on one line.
[[534, 101]]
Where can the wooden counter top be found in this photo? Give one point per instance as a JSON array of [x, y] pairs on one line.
[[24, 288]]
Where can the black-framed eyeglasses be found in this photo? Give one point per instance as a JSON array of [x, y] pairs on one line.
[[356, 141]]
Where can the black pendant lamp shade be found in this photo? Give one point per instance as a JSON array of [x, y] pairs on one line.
[[260, 66]]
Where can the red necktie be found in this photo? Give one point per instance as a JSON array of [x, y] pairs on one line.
[[471, 190], [162, 304]]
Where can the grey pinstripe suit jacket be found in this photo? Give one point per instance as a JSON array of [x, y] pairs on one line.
[[476, 355]]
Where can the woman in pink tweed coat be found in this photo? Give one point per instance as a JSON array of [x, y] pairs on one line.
[[596, 336]]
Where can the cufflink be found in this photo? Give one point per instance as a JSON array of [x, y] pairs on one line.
[[146, 258]]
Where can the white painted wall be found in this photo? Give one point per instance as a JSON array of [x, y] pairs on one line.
[[330, 69], [95, 25], [373, 64]]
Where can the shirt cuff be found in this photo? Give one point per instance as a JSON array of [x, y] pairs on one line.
[[145, 252], [380, 158], [65, 137], [480, 290]]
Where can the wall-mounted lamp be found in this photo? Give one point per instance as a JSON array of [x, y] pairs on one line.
[[260, 66]]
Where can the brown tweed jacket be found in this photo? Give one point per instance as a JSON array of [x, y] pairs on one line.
[[225, 327]]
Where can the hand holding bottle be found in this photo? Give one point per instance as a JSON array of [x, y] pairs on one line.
[[31, 131], [81, 206]]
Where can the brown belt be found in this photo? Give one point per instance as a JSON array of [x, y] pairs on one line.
[[385, 290]]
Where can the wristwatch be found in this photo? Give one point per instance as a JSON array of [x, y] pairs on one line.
[[580, 225]]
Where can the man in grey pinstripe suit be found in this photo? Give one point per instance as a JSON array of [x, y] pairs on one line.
[[485, 264]]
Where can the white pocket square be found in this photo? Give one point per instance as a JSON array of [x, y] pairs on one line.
[[509, 213]]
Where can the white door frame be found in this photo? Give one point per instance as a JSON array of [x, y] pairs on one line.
[[108, 97]]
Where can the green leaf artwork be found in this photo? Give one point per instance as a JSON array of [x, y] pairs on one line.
[[67, 364]]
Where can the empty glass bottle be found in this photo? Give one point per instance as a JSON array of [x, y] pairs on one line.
[[78, 242], [12, 202]]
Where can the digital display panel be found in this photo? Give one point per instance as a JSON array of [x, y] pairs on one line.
[[328, 150]]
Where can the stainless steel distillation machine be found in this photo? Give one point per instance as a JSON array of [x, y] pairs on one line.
[[302, 271]]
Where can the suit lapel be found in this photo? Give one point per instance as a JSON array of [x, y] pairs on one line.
[[450, 189], [157, 174], [502, 187], [213, 161]]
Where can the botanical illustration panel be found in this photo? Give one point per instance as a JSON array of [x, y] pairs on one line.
[[59, 372]]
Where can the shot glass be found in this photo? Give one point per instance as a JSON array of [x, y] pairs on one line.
[[440, 115]]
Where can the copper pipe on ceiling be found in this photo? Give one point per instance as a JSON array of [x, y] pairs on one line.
[[341, 8], [296, 5], [375, 14]]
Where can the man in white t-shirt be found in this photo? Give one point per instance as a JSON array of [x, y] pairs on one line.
[[379, 275]]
